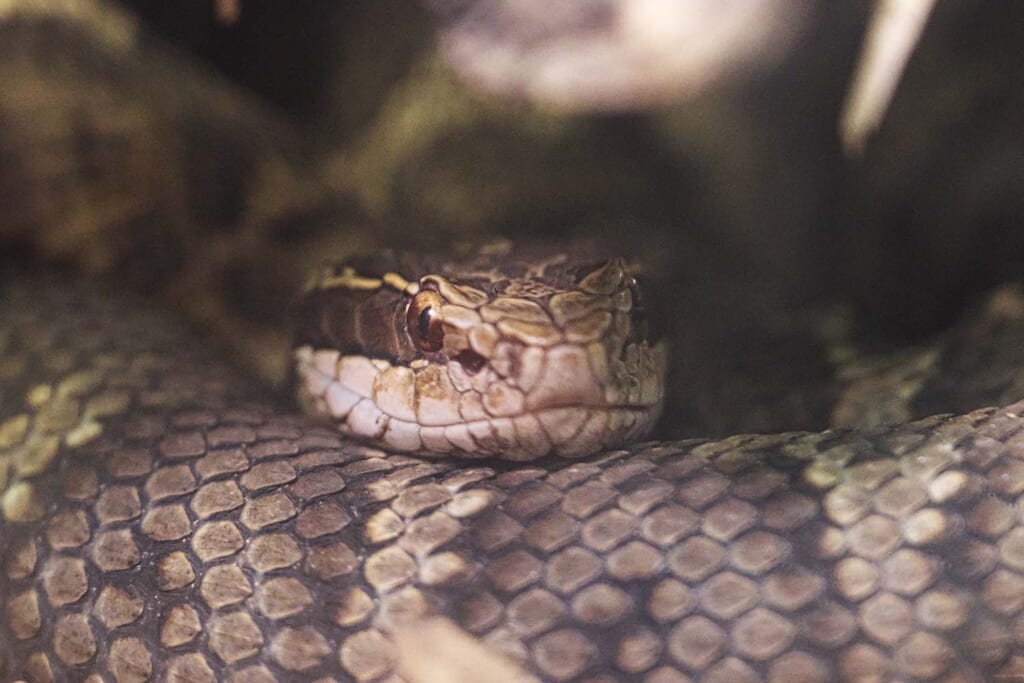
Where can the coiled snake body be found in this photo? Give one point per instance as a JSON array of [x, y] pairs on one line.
[[161, 521]]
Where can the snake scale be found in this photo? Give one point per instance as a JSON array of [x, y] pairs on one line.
[[165, 518]]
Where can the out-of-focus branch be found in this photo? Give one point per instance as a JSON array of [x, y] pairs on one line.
[[895, 29]]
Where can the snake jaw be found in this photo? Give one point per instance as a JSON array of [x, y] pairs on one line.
[[543, 404], [421, 410], [533, 365]]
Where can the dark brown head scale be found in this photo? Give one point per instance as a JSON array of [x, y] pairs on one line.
[[354, 313]]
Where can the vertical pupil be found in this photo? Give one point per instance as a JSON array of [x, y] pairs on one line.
[[423, 323]]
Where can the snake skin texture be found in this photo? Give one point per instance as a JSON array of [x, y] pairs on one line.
[[160, 522]]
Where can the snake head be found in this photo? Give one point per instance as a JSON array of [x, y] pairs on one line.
[[512, 353]]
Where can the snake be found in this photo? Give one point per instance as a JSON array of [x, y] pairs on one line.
[[164, 520], [469, 495]]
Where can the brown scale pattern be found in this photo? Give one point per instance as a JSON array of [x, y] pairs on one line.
[[157, 525]]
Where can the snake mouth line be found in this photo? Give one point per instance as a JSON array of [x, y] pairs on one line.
[[566, 430], [639, 410]]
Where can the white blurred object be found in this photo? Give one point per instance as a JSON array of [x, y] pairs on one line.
[[613, 54], [585, 55], [893, 33]]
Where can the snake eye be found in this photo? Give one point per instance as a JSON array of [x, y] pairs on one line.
[[423, 319]]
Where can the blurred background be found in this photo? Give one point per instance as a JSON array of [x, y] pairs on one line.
[[705, 134]]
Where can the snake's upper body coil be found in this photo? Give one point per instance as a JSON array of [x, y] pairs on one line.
[[502, 354]]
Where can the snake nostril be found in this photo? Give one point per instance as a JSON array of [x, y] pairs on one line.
[[471, 361]]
